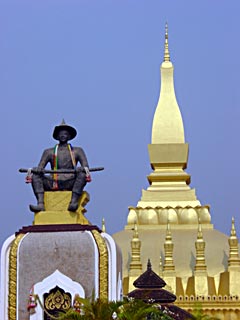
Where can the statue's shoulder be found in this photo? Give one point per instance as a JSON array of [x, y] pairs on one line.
[[79, 152], [48, 151], [77, 149]]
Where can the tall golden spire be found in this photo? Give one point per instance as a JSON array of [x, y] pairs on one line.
[[166, 51], [167, 123], [168, 188], [233, 259]]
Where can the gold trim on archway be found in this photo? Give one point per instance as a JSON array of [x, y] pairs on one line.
[[103, 265], [12, 287]]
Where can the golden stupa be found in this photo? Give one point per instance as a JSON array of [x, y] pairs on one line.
[[173, 229]]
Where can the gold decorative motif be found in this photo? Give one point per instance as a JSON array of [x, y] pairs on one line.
[[103, 265], [12, 289], [58, 300]]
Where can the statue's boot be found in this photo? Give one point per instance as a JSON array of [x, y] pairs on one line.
[[73, 205], [40, 205]]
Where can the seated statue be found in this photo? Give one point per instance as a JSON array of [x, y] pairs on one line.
[[61, 157]]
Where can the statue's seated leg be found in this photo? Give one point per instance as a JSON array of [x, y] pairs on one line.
[[77, 190], [39, 184], [73, 205], [40, 204]]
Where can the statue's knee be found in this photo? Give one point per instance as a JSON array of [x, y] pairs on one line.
[[36, 178], [81, 174], [81, 177]]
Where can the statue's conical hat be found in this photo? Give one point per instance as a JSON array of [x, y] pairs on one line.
[[63, 126]]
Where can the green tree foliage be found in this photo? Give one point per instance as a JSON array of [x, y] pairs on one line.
[[122, 310], [128, 309]]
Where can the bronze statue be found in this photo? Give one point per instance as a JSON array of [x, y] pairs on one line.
[[66, 175]]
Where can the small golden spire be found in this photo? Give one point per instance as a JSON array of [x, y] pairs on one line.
[[200, 250], [168, 248], [233, 230], [103, 225], [200, 234], [160, 266], [135, 233], [233, 259], [166, 50], [136, 251], [168, 232]]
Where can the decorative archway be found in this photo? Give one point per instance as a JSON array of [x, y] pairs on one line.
[[56, 286]]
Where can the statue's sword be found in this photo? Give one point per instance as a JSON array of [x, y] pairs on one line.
[[59, 171]]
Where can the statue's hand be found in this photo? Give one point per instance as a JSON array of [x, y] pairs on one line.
[[88, 176]]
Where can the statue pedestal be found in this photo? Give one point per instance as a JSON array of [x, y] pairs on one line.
[[56, 209], [61, 255]]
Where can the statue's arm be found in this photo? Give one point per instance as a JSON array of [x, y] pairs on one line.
[[45, 159], [81, 157]]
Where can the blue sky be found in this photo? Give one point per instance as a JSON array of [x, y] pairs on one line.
[[95, 63]]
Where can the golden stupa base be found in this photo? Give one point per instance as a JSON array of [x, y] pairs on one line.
[[56, 209]]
